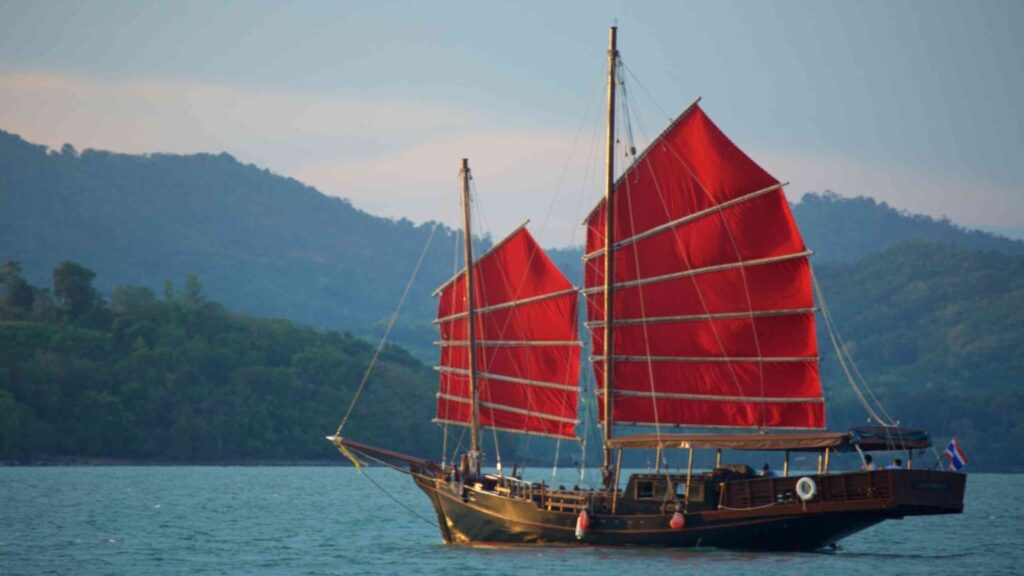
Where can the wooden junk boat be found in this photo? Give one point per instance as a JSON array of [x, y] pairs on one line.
[[713, 326]]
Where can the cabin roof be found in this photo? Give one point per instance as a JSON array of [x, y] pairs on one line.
[[867, 439]]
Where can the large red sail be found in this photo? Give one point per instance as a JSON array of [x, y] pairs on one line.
[[713, 312], [527, 342]]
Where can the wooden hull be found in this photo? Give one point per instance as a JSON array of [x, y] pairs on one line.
[[472, 515]]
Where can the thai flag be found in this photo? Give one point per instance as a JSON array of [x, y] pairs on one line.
[[957, 460]]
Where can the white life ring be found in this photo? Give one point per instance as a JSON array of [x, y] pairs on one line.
[[806, 488]]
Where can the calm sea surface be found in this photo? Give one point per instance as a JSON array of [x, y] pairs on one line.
[[329, 520]]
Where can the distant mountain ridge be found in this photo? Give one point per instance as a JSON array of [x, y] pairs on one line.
[[272, 246], [262, 243], [847, 229]]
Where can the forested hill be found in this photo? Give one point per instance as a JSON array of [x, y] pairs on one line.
[[935, 330], [938, 332], [846, 229], [262, 244], [936, 325], [179, 378], [271, 246]]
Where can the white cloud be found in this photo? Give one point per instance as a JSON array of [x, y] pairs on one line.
[[400, 158], [516, 177], [171, 116], [935, 193]]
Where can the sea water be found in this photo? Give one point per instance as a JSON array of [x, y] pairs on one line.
[[330, 520]]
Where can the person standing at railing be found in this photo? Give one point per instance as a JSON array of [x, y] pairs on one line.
[[869, 464], [897, 464]]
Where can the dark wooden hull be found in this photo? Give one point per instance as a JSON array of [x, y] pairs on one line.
[[477, 515]]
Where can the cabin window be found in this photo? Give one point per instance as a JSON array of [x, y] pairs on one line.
[[696, 491], [645, 489]]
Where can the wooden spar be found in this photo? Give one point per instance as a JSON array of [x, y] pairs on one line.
[[699, 271], [382, 453], [689, 477], [690, 317], [474, 425], [609, 263], [615, 481], [687, 219]]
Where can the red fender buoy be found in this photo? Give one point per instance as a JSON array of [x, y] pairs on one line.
[[678, 521], [582, 523]]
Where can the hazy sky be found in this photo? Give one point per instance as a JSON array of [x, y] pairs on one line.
[[914, 103]]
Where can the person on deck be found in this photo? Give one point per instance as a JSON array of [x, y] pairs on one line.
[[767, 472], [897, 464], [869, 463]]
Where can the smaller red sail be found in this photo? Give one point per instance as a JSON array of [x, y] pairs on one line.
[[527, 342]]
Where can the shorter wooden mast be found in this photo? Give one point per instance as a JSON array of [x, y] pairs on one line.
[[474, 425]]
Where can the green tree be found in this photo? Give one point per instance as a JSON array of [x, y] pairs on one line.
[[72, 285], [193, 290], [17, 293]]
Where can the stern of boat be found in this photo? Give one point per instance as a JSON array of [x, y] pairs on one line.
[[925, 492]]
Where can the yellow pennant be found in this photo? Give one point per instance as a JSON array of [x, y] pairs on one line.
[[350, 456]]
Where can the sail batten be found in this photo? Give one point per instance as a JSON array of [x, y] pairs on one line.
[[527, 381], [768, 359], [507, 305], [510, 409], [713, 315], [684, 220], [499, 343], [713, 397], [702, 317], [526, 342], [699, 271]]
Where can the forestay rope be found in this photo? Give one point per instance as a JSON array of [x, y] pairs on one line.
[[387, 331]]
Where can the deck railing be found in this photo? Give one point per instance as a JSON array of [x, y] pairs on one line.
[[845, 487]]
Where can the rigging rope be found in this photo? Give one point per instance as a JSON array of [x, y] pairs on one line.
[[447, 401], [387, 331], [843, 358], [693, 279], [385, 490], [476, 206]]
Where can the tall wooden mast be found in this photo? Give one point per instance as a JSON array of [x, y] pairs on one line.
[[609, 264], [474, 425]]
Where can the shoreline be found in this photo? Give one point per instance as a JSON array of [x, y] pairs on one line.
[[270, 463]]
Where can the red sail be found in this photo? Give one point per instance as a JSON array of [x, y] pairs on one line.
[[527, 352], [714, 318]]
